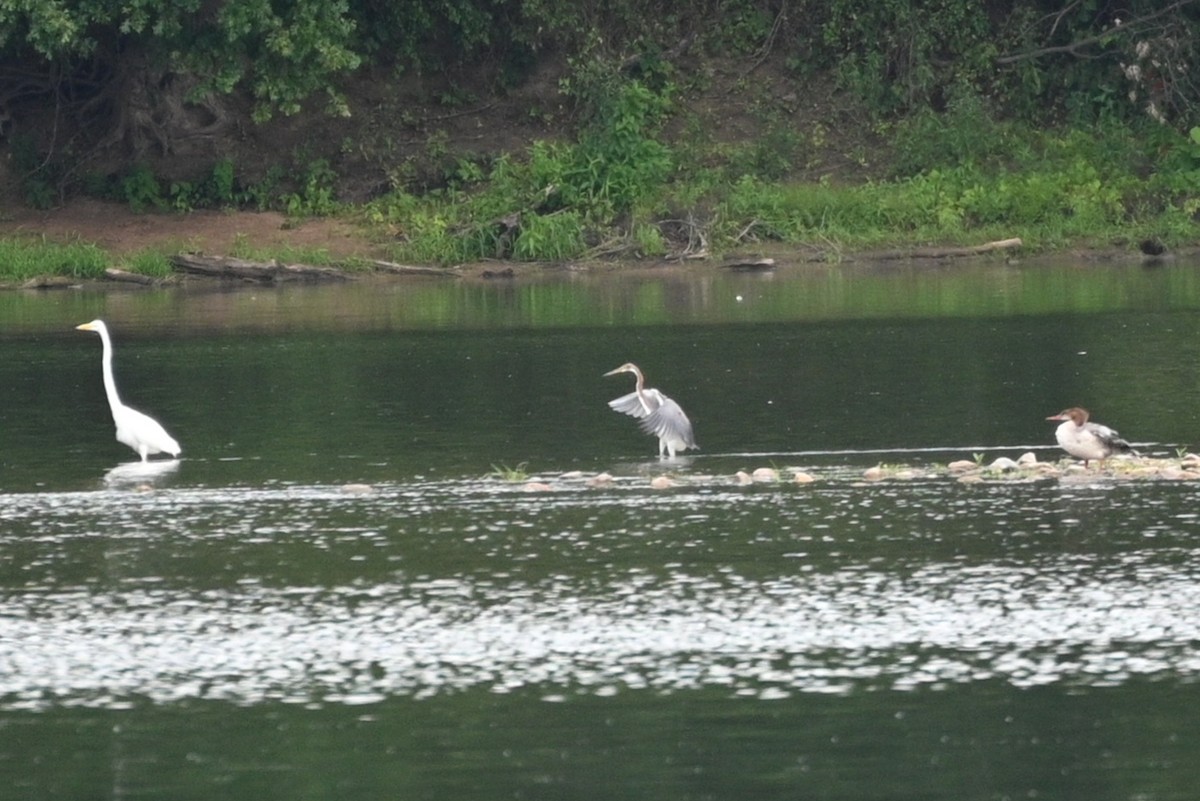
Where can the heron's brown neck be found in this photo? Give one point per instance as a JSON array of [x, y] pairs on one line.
[[638, 388]]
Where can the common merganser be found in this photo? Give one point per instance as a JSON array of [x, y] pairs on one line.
[[657, 414], [1087, 441]]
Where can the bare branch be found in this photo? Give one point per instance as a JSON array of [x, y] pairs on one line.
[[1132, 26]]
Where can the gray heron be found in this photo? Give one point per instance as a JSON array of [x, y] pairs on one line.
[[656, 413]]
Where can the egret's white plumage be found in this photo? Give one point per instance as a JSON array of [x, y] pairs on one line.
[[656, 413], [139, 431], [1084, 440]]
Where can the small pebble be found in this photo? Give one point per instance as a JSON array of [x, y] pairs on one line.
[[536, 486], [962, 466], [572, 475], [804, 478], [742, 477], [873, 473], [1176, 474], [600, 480], [1003, 463], [356, 489], [1027, 459], [661, 482]]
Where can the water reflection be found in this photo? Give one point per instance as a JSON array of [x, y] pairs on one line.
[[638, 297], [141, 474], [310, 594]]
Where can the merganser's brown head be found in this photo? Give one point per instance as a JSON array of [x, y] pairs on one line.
[[1075, 414]]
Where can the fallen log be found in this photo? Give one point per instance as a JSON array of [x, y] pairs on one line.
[[271, 272], [124, 276], [749, 265], [412, 269], [50, 282], [936, 253]]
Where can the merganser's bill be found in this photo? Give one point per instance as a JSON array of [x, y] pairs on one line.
[[1087, 441]]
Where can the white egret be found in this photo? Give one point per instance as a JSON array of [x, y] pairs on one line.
[[139, 431], [1087, 441], [656, 413]]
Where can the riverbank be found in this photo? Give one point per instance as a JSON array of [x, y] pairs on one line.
[[106, 243]]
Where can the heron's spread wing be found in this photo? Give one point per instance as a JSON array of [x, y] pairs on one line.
[[668, 422], [630, 405]]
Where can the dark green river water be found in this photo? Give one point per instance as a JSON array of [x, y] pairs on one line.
[[340, 591]]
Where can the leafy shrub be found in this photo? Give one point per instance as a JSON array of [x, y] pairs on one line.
[[553, 237], [140, 189], [222, 184], [316, 196]]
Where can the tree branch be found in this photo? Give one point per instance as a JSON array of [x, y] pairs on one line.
[[1127, 27]]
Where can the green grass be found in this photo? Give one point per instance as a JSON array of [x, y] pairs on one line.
[[1053, 189], [22, 259], [154, 262], [964, 180]]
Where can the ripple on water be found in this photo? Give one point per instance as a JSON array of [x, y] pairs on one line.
[[312, 595]]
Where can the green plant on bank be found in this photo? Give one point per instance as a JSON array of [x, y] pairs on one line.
[[503, 472], [316, 195], [149, 262], [562, 195], [243, 248], [619, 181], [552, 237], [141, 191], [22, 259]]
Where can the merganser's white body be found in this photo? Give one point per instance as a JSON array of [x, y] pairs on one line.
[[657, 414], [1087, 441]]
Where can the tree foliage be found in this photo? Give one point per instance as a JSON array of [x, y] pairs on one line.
[[147, 73]]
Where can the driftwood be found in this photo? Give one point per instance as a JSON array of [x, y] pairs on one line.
[[114, 274], [749, 265], [50, 282], [936, 253], [271, 272], [412, 269]]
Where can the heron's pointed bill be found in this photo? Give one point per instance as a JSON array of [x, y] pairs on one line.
[[86, 327], [628, 367]]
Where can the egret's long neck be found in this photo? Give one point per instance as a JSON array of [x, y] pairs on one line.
[[110, 384]]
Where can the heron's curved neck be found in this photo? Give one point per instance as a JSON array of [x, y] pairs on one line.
[[638, 387], [110, 384]]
